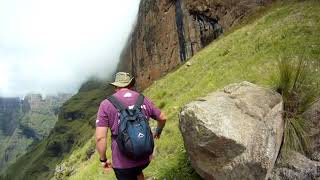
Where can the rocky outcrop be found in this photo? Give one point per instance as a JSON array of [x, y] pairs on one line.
[[296, 167], [235, 133], [169, 32], [312, 116], [47, 108], [34, 99]]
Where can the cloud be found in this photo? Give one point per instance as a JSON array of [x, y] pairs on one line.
[[53, 46]]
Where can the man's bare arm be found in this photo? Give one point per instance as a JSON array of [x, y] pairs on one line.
[[101, 141], [161, 123]]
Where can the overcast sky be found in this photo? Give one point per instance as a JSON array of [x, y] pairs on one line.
[[51, 46]]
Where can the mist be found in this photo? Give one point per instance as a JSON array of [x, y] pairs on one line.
[[51, 46]]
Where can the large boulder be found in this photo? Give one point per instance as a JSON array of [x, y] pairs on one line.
[[312, 116], [296, 167], [235, 133]]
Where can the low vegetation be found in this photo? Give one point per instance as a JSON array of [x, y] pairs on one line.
[[248, 53], [298, 82]]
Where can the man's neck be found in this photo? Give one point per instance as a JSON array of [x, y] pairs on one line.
[[122, 89]]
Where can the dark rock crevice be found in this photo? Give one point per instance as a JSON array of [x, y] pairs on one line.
[[209, 28], [180, 30]]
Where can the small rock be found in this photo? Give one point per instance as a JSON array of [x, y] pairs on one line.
[[297, 167]]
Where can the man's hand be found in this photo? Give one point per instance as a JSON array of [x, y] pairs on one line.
[[157, 133], [107, 166]]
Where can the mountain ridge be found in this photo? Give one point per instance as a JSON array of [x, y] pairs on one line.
[[24, 122]]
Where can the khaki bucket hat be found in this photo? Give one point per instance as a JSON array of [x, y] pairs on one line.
[[122, 79]]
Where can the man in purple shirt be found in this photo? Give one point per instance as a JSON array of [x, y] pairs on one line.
[[108, 117]]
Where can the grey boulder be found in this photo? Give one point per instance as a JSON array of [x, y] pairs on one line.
[[235, 133]]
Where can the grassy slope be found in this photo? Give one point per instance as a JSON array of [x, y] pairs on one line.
[[67, 135], [248, 53], [33, 126]]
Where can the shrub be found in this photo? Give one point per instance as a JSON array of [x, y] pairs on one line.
[[297, 83]]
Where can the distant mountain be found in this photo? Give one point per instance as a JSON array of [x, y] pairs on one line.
[[23, 123], [74, 127]]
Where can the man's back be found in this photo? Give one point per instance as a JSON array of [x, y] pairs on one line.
[[108, 116]]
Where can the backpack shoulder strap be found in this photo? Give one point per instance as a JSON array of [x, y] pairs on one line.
[[116, 103], [139, 101]]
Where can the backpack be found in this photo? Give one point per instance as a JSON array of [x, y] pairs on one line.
[[134, 136]]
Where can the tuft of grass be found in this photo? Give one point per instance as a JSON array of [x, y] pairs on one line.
[[295, 136], [298, 84]]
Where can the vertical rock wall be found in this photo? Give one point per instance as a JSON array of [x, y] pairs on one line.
[[169, 32]]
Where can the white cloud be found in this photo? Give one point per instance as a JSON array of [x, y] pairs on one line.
[[53, 46]]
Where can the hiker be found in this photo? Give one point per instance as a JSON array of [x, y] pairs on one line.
[[131, 111]]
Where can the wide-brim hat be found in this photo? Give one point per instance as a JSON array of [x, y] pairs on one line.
[[122, 79]]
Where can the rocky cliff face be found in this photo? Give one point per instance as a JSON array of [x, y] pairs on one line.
[[9, 115], [42, 113], [34, 99], [169, 32]]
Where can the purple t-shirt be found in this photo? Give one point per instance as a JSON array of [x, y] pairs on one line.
[[108, 117]]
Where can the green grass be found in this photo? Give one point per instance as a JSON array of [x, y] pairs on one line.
[[248, 53]]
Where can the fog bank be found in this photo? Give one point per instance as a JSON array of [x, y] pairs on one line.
[[53, 46]]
